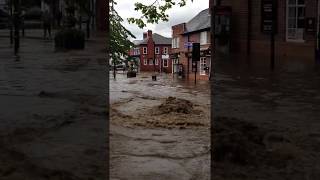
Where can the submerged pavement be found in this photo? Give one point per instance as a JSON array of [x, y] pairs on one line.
[[267, 123], [53, 111]]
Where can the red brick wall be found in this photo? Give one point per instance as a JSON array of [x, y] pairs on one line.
[[260, 42]]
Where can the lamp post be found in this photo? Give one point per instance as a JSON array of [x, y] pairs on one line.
[[154, 77], [16, 22]]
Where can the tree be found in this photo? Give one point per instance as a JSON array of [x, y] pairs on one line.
[[155, 12], [120, 44]]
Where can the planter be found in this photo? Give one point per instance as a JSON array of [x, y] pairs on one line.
[[70, 39], [131, 74]]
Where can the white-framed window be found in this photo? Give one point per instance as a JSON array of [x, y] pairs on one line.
[[165, 63], [136, 51], [203, 64], [157, 50], [156, 61], [204, 37], [150, 61], [175, 42], [165, 50], [295, 20], [145, 50], [145, 62]]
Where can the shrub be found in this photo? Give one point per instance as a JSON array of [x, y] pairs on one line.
[[70, 39]]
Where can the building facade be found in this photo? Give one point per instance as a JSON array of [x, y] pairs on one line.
[[197, 30], [153, 53], [296, 26]]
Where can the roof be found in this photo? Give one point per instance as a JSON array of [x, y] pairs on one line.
[[199, 22], [157, 38]]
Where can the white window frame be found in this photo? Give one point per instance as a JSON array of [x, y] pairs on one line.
[[145, 50], [157, 50], [145, 62], [178, 42], [156, 61], [150, 61], [204, 37], [165, 50], [163, 64], [287, 22], [202, 65]]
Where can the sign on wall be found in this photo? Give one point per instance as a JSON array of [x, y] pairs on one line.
[[268, 16], [310, 25]]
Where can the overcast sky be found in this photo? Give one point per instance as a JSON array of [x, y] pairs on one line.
[[177, 15]]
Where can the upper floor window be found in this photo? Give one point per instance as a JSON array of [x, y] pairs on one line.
[[145, 50], [165, 50], [157, 49], [175, 42], [136, 51], [145, 62], [204, 37]]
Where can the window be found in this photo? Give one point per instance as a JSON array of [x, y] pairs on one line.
[[145, 50], [295, 20], [175, 42], [145, 62], [165, 50], [204, 37], [150, 61], [156, 62], [165, 63], [203, 65], [136, 51], [157, 50]]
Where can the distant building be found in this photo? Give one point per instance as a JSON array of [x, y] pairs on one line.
[[153, 52], [197, 30]]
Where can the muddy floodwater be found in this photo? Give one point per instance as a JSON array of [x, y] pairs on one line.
[[266, 124], [159, 129]]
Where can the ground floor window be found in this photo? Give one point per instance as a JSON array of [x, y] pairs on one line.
[[145, 62], [156, 61], [150, 61], [165, 63], [203, 65], [295, 20]]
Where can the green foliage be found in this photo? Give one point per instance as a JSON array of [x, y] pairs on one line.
[[155, 12], [119, 36]]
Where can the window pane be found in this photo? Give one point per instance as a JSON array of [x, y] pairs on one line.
[[292, 23], [301, 2], [301, 12], [301, 23], [292, 12], [292, 2]]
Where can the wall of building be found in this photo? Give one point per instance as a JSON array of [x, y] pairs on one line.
[[260, 42]]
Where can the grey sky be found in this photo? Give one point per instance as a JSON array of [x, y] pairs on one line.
[[177, 15]]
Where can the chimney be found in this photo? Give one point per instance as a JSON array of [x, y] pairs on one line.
[[145, 35], [149, 33]]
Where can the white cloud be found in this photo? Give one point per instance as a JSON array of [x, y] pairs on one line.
[[177, 15]]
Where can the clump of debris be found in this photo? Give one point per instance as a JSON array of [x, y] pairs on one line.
[[175, 105], [239, 145]]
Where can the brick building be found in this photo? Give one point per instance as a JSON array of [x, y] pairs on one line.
[[153, 52], [295, 28], [197, 30]]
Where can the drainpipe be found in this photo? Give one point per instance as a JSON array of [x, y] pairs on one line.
[[318, 21]]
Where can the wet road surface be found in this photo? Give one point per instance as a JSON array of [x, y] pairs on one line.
[[147, 144]]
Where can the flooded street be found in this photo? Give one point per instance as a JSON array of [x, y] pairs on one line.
[[53, 112], [159, 129], [267, 123]]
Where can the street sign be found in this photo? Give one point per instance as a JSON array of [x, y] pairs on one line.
[[188, 44]]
